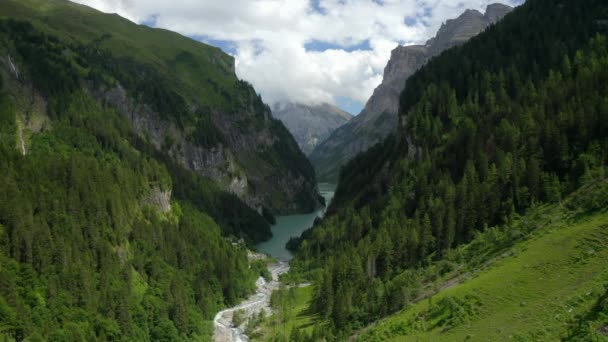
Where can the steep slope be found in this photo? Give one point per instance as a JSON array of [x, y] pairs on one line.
[[186, 99], [488, 131], [310, 125], [379, 117], [544, 277], [538, 289], [93, 244], [109, 227]]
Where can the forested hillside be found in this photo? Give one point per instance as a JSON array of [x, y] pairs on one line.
[[103, 236], [514, 118], [181, 95], [542, 277], [379, 118], [85, 254]]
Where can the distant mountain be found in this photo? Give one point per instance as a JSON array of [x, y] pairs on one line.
[[379, 117], [310, 125]]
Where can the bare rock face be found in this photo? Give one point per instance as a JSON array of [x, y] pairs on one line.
[[31, 106], [457, 31], [310, 125], [379, 117], [160, 199], [237, 165]]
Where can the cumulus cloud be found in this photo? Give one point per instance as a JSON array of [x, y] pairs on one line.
[[307, 51]]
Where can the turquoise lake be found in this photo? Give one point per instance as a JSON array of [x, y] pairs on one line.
[[293, 226]]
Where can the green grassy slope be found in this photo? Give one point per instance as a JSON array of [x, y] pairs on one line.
[[294, 314], [534, 293], [197, 66], [513, 118]]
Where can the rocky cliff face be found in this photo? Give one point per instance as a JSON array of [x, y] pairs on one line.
[[379, 117], [310, 125], [183, 97], [245, 163], [160, 199]]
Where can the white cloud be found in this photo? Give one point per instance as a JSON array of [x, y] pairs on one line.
[[270, 38]]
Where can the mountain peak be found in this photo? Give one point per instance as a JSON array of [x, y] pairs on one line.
[[457, 31], [495, 12], [379, 117], [310, 124], [469, 13]]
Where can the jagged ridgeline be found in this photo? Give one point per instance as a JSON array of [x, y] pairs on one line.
[[379, 117], [515, 117]]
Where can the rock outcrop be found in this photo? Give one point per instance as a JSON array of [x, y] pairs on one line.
[[160, 199], [310, 125], [240, 164], [379, 117], [181, 96]]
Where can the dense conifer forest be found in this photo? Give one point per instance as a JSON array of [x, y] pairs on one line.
[[512, 119], [85, 251], [502, 145]]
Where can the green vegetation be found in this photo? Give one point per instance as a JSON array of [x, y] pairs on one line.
[[184, 82], [512, 119], [59, 69], [292, 319], [540, 277], [81, 254], [195, 70], [85, 254], [237, 318], [593, 324], [541, 289]]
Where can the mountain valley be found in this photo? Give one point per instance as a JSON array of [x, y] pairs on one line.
[[149, 193]]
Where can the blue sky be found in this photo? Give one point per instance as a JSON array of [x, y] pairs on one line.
[[306, 51], [348, 105]]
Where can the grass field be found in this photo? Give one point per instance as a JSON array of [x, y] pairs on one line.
[[204, 71], [295, 314], [531, 295], [534, 280]]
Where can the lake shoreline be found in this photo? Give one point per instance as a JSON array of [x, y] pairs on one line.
[[285, 228], [290, 226]]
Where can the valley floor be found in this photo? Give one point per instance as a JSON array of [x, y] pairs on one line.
[[225, 331]]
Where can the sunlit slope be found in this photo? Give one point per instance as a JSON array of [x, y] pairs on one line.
[[204, 70], [534, 291], [183, 94]]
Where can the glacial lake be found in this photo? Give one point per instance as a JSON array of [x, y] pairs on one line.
[[293, 226]]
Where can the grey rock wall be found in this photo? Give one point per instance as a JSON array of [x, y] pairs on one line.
[[310, 125], [379, 117]]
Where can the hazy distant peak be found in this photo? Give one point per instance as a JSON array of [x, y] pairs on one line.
[[310, 124]]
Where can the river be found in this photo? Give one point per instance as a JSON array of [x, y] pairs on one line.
[[285, 228], [293, 226]]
